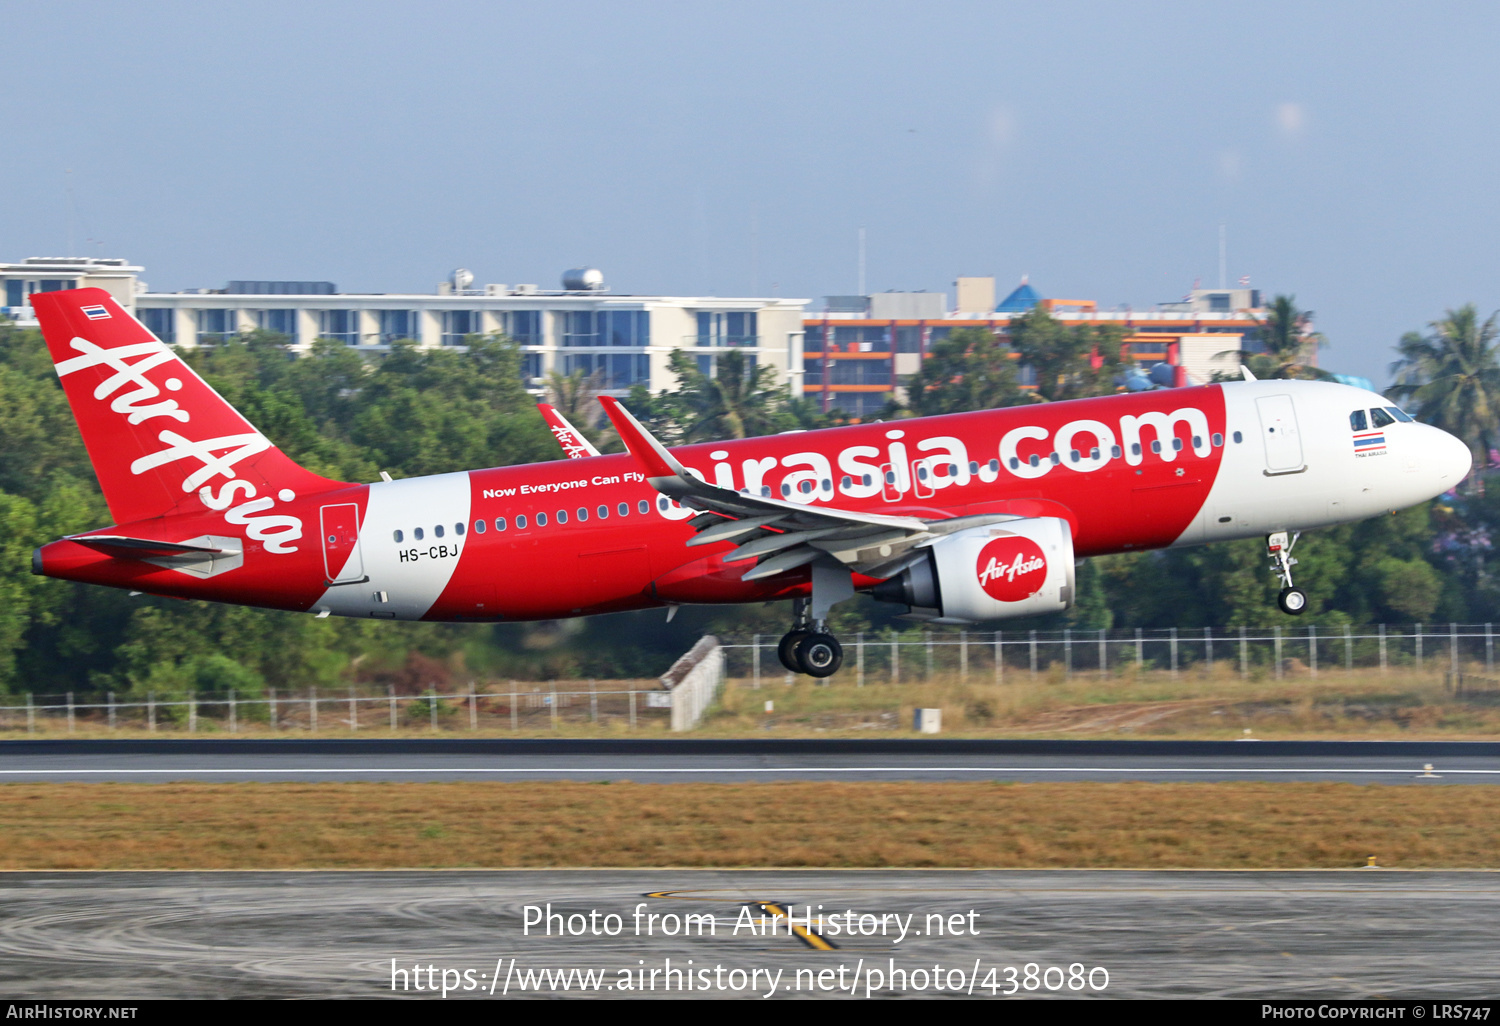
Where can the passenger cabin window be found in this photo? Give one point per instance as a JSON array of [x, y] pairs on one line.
[[417, 534], [1358, 422], [520, 523], [437, 532], [1238, 438], [479, 527], [583, 513], [541, 520], [623, 509], [458, 529], [399, 537], [1115, 452], [500, 523], [645, 506], [1218, 440], [1379, 418], [603, 512], [562, 516]]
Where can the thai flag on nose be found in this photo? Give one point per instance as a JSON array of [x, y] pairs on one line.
[[1369, 441]]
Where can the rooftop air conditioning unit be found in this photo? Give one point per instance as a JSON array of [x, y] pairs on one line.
[[525, 290], [496, 290]]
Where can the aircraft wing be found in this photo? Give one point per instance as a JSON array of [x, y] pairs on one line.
[[781, 535], [574, 445]]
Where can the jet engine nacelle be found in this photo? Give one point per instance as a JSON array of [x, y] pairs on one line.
[[1017, 568]]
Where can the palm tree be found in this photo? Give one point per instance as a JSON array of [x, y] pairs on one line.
[[1286, 335], [739, 401], [1451, 377]]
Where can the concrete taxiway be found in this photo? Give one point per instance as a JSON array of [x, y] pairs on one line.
[[748, 760], [1348, 934]]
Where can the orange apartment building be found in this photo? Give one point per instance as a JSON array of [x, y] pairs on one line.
[[860, 350]]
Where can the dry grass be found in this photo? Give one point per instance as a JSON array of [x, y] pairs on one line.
[[563, 824]]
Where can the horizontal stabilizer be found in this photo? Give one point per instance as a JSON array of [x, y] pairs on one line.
[[145, 548]]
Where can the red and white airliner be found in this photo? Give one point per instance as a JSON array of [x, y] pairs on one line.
[[960, 518]]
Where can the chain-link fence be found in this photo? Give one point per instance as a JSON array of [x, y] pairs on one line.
[[911, 656]]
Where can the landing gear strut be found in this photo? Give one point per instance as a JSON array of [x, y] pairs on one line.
[[1291, 600], [808, 647]]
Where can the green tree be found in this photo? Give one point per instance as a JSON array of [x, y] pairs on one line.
[[1451, 377], [740, 400], [1070, 362], [1288, 341], [971, 369]]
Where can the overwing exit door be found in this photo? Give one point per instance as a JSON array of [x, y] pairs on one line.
[[1278, 430], [342, 561]]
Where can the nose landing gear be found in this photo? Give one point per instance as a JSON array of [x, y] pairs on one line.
[[1292, 600], [808, 647]]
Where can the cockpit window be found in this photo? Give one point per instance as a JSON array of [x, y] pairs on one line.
[[1358, 422], [1399, 414], [1379, 418]]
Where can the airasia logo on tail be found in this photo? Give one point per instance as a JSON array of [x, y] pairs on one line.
[[1011, 569]]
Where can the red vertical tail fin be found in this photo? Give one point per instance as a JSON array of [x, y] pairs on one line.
[[161, 440]]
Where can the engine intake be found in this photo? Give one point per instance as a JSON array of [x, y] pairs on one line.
[[1018, 568]]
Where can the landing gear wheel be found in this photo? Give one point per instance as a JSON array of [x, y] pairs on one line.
[[821, 655], [1292, 601], [787, 650]]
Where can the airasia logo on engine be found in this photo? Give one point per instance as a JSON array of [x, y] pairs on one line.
[[1011, 569]]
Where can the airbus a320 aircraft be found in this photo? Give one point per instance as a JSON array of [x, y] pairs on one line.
[[960, 518]]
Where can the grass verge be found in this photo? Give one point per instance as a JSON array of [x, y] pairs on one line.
[[565, 824]]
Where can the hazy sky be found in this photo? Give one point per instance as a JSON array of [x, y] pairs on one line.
[[695, 148]]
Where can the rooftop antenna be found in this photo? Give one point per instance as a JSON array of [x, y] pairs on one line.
[[68, 189], [861, 260], [1223, 277]]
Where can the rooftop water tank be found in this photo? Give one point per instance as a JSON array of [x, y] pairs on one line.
[[583, 279]]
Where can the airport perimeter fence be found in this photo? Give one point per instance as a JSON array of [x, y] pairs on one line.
[[520, 706], [907, 657]]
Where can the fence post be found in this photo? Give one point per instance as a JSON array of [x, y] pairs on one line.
[[312, 709], [928, 636], [70, 712], [390, 690], [111, 710], [1382, 649], [1174, 653], [1033, 653], [999, 657], [234, 721], [192, 712], [474, 706], [30, 714], [1277, 632], [1208, 650], [1348, 648], [353, 711], [515, 721], [1489, 649], [1067, 652], [1312, 649], [755, 660], [432, 708], [271, 708], [1103, 653], [859, 659], [1419, 647], [632, 708], [150, 710], [1244, 653], [1140, 650], [895, 661], [554, 708], [1453, 649], [963, 656], [593, 704]]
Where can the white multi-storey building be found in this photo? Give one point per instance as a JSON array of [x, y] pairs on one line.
[[626, 340]]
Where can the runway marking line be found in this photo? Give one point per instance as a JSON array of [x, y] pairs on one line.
[[730, 770]]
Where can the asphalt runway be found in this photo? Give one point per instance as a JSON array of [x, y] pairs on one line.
[[1258, 935], [749, 760]]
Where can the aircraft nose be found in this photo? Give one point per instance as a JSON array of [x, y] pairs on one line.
[[1451, 458]]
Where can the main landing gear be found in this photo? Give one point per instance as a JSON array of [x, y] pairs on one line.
[[1291, 600], [808, 647]]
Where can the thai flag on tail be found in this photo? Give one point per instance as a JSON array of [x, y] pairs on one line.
[[1369, 441]]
